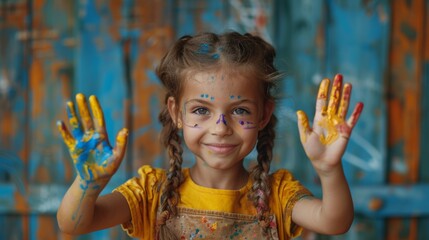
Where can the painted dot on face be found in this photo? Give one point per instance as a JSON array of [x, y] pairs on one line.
[[212, 98], [231, 97]]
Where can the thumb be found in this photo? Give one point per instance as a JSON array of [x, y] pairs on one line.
[[121, 144], [303, 126]]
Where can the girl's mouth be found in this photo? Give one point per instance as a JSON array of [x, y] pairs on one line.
[[221, 148]]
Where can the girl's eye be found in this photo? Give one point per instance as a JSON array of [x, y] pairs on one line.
[[240, 111], [201, 111]]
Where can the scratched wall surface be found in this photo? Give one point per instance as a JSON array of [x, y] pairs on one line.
[[50, 50]]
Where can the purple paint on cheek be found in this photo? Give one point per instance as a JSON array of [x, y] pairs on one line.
[[247, 124], [221, 118]]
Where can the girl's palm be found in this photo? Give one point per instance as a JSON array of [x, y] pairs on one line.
[[326, 141], [88, 144]]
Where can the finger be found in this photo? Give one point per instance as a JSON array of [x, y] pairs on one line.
[[303, 125], [334, 99], [121, 145], [355, 115], [345, 100], [84, 112], [74, 121], [98, 114], [322, 96], [67, 137]]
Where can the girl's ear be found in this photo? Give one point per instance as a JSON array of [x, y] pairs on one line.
[[173, 108], [268, 112]]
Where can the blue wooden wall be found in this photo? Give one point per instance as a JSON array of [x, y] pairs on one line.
[[50, 50]]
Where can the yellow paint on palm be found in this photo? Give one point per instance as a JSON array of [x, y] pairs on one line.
[[96, 110], [330, 125]]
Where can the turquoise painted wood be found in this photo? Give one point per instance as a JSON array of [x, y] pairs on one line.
[[51, 50]]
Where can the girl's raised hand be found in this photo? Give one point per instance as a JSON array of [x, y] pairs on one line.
[[93, 157], [326, 141]]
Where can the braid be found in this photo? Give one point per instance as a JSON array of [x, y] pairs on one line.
[[170, 196], [260, 173]]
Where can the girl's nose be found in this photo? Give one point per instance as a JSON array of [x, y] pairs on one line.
[[221, 127]]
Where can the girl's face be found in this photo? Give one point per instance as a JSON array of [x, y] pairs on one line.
[[221, 114]]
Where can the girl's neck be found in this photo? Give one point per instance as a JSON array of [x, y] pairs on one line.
[[230, 179]]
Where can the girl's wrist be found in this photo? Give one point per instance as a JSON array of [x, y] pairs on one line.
[[92, 186], [331, 170]]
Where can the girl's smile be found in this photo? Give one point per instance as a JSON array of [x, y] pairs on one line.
[[220, 148]]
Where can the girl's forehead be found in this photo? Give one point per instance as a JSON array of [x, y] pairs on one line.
[[223, 84]]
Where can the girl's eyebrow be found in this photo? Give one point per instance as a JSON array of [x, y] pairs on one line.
[[210, 102], [201, 101]]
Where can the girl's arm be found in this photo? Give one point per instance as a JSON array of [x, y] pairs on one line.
[[325, 144], [83, 211], [95, 161]]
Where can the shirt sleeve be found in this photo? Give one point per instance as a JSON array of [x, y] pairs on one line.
[[286, 191], [142, 196]]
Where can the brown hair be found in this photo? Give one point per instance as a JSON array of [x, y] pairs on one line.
[[208, 51]]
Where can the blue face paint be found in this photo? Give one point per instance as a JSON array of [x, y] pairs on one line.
[[204, 48]]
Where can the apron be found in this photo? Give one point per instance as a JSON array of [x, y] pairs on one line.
[[202, 224]]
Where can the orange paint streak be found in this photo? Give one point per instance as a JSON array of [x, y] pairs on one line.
[[47, 226], [154, 41], [7, 126], [407, 52], [37, 88]]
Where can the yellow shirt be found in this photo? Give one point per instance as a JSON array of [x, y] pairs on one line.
[[206, 213]]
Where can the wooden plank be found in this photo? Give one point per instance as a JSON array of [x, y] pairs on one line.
[[404, 103], [149, 35], [14, 110], [423, 230]]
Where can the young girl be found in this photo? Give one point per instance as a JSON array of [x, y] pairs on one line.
[[219, 98]]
